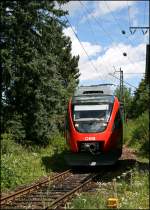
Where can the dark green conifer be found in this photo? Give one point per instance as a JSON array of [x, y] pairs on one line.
[[39, 72]]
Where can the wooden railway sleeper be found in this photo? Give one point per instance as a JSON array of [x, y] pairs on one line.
[[12, 197]]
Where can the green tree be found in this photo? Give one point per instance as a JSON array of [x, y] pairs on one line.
[[127, 98], [140, 102], [39, 72]]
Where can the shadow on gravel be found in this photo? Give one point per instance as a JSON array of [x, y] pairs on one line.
[[132, 163], [120, 167], [56, 163]]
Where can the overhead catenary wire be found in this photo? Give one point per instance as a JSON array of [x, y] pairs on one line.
[[123, 81], [90, 26], [93, 32], [90, 58], [102, 28], [119, 25], [144, 16], [112, 41], [88, 55], [83, 47], [119, 78]]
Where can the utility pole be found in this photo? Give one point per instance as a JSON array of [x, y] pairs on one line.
[[121, 92], [121, 86]]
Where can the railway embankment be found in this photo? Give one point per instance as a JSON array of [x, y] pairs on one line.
[[122, 183], [22, 165]]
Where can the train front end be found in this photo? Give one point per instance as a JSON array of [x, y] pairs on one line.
[[93, 128]]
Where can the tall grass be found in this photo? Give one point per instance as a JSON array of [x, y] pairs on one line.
[[131, 194], [136, 134], [24, 164]]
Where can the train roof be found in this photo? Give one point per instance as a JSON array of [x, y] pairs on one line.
[[101, 89], [95, 93]]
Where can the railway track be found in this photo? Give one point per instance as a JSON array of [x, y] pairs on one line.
[[50, 193], [54, 192], [12, 200]]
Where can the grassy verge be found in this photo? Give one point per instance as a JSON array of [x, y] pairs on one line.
[[136, 136], [22, 165], [133, 194]]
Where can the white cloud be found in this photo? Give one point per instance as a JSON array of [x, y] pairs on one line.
[[109, 57], [72, 7], [77, 49], [133, 12], [105, 7], [134, 62]]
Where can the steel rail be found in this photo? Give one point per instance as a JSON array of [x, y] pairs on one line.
[[67, 195], [32, 188]]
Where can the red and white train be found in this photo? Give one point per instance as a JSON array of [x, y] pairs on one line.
[[94, 127]]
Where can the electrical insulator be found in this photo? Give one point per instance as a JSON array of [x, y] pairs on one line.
[[123, 32], [124, 54]]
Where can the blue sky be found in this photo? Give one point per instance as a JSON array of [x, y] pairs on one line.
[[98, 24]]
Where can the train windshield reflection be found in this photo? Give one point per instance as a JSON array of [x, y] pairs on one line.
[[91, 118]]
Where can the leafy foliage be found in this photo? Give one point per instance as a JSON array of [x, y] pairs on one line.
[[138, 103], [132, 193], [128, 98], [141, 99], [39, 72], [137, 134], [20, 165]]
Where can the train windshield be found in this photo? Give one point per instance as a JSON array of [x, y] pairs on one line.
[[91, 118]]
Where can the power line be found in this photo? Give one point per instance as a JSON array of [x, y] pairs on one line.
[[124, 73], [123, 81], [87, 53], [90, 26], [82, 46], [108, 35], [119, 25]]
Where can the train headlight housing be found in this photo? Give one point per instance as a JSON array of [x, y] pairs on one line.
[[103, 125]]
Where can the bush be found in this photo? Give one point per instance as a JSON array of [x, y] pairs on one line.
[[16, 128], [7, 143], [21, 164], [137, 133], [8, 176], [141, 132], [58, 142]]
